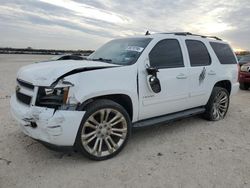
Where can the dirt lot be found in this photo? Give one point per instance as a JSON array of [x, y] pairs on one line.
[[188, 153]]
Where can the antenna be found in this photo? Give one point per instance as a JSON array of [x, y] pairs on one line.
[[147, 33]]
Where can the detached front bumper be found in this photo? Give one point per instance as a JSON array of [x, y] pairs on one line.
[[54, 127]]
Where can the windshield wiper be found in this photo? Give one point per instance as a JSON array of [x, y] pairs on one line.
[[101, 59]]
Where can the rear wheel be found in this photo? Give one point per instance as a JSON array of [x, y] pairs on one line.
[[244, 86], [217, 105], [104, 130]]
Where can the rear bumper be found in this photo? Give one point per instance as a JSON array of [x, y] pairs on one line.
[[244, 77], [235, 88], [58, 127]]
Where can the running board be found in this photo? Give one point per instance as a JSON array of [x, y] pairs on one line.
[[168, 118]]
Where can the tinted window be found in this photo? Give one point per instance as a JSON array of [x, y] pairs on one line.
[[223, 52], [198, 53], [166, 54]]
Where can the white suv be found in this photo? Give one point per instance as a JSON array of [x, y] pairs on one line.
[[130, 82]]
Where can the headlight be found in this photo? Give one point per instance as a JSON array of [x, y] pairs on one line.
[[244, 68], [52, 97]]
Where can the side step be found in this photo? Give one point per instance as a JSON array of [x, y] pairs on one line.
[[168, 118]]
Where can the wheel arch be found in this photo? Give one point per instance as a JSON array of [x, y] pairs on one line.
[[124, 100], [224, 84]]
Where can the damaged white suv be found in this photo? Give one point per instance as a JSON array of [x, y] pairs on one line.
[[93, 104]]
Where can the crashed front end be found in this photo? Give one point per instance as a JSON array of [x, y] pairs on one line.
[[48, 114]]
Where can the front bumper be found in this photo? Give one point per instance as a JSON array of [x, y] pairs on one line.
[[54, 127]]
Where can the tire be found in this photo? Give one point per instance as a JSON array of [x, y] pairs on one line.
[[104, 130], [244, 86], [217, 105]]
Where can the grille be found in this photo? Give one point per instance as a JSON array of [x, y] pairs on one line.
[[23, 98], [25, 84]]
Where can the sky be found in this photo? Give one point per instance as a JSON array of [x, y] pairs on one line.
[[87, 24]]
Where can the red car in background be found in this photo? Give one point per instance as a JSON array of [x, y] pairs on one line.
[[244, 76]]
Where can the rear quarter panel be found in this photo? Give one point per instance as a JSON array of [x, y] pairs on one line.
[[228, 72]]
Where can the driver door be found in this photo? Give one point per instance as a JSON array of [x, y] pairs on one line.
[[167, 57]]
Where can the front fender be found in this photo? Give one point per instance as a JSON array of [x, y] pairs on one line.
[[107, 94], [98, 83]]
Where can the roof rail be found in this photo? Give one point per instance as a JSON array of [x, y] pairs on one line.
[[188, 33]]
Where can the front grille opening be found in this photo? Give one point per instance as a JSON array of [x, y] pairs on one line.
[[23, 98], [25, 84]]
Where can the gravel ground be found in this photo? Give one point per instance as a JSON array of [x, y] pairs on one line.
[[187, 153]]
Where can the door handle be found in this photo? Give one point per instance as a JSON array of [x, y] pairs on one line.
[[181, 76], [211, 72]]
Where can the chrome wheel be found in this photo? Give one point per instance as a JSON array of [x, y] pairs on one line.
[[220, 105], [104, 132]]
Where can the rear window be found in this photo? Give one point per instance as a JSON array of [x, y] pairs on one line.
[[224, 53]]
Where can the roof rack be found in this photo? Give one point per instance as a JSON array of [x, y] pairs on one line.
[[188, 33]]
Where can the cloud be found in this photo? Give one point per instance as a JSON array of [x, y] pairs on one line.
[[102, 20], [88, 11]]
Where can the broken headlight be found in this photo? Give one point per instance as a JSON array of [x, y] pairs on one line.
[[52, 97]]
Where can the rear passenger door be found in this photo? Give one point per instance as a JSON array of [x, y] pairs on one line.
[[167, 56], [201, 72]]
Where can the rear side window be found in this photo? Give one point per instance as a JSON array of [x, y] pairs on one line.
[[198, 53], [166, 54], [224, 53]]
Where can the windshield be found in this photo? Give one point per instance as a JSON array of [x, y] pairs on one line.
[[121, 51], [245, 58]]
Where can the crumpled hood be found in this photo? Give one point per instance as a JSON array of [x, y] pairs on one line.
[[45, 73]]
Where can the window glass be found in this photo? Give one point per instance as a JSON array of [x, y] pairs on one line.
[[245, 58], [166, 54], [198, 53], [223, 52]]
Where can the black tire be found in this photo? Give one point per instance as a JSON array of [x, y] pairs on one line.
[[244, 86], [211, 105], [93, 108]]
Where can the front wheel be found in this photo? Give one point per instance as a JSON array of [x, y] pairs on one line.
[[217, 105], [104, 130]]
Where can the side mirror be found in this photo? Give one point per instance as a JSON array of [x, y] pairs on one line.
[[152, 71], [153, 81]]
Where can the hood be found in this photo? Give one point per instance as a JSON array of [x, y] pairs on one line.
[[247, 64], [243, 62], [46, 73]]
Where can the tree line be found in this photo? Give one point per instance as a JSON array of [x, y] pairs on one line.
[[30, 50]]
